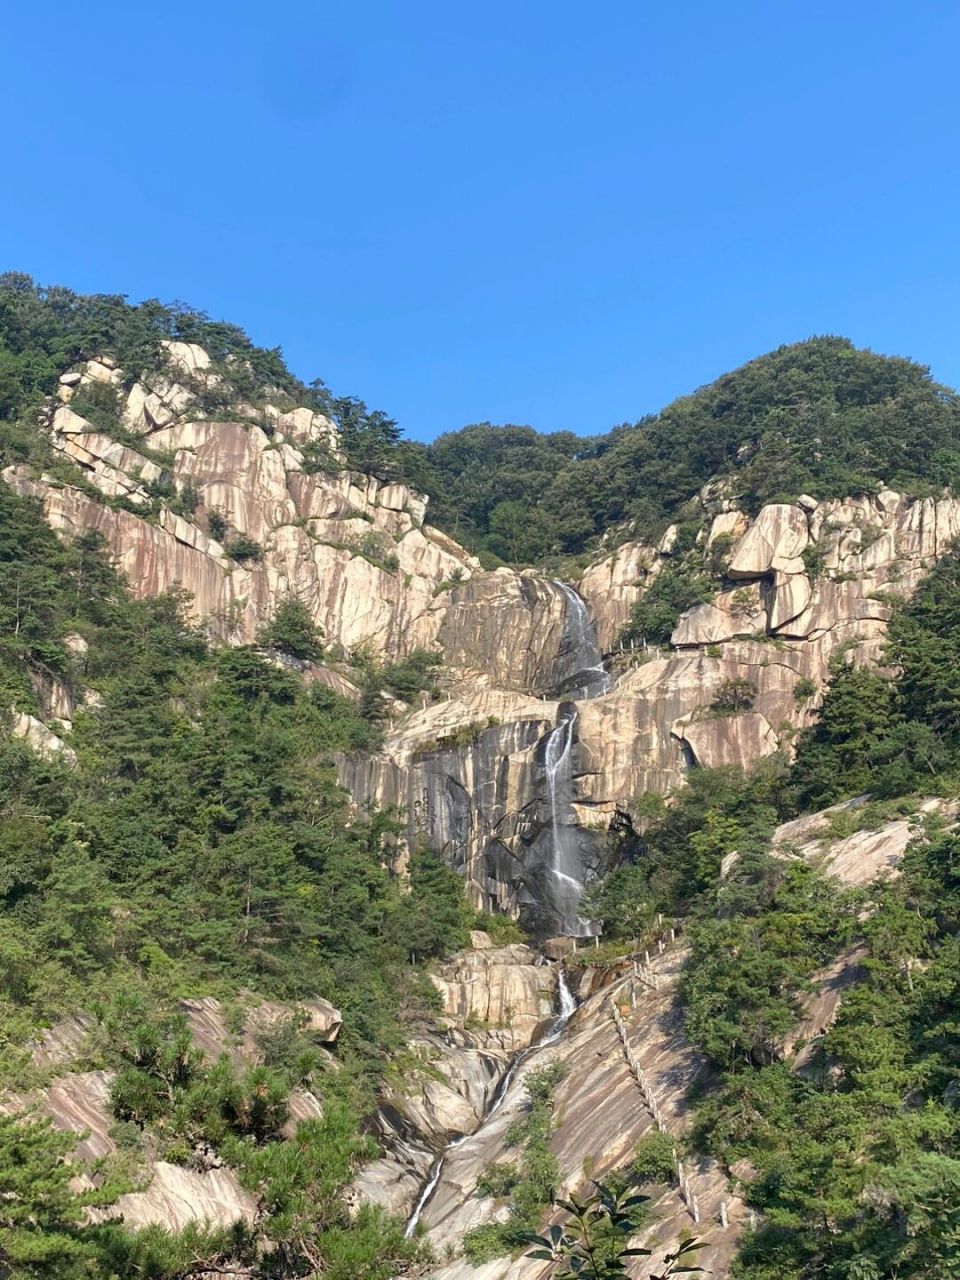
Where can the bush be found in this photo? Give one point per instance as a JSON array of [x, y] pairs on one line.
[[241, 548], [804, 689], [217, 525], [733, 695], [653, 1158], [671, 593]]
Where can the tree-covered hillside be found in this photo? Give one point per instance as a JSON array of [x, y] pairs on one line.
[[820, 417], [852, 1164], [43, 331], [195, 842], [200, 845]]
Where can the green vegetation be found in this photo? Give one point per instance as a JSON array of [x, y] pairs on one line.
[[854, 1161], [242, 548], [672, 592], [406, 679], [819, 416], [44, 331], [594, 1244], [292, 631], [733, 695], [891, 737], [653, 1158], [200, 845]]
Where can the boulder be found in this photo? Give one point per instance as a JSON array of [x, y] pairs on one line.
[[706, 624], [41, 739], [775, 540], [499, 995], [790, 596]]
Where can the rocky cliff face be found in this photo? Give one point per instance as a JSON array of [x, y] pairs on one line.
[[600, 1111], [805, 582], [547, 731], [475, 774]]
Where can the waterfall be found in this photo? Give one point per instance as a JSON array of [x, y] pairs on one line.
[[586, 676], [566, 1008], [565, 886], [426, 1192]]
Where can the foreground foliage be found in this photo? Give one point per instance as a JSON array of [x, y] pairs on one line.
[[594, 1241]]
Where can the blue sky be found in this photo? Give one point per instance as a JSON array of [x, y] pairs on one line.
[[548, 213]]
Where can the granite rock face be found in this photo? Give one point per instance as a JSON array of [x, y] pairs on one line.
[[170, 1195], [806, 581], [355, 550], [471, 774], [600, 1114]]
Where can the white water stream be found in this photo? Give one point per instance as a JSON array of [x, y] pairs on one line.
[[588, 677], [566, 1007], [564, 854]]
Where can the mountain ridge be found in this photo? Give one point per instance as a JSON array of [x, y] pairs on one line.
[[267, 733]]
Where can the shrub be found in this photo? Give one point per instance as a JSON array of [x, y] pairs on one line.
[[804, 688], [672, 593], [216, 525], [242, 548], [653, 1159], [733, 695]]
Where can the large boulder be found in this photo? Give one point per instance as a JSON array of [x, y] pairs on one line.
[[775, 540]]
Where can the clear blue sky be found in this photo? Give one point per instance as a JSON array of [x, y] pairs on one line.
[[554, 213]]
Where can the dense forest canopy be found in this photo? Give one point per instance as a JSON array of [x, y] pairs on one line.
[[819, 416]]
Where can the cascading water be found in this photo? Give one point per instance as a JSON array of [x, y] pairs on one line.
[[584, 677], [566, 1008], [585, 674], [565, 886]]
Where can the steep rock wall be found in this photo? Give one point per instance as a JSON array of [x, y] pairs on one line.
[[354, 549], [470, 777], [806, 582]]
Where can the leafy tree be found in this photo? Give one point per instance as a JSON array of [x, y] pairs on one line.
[[293, 631], [734, 695]]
